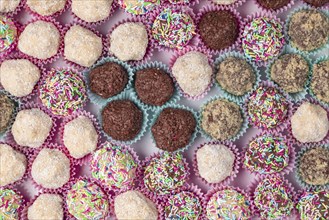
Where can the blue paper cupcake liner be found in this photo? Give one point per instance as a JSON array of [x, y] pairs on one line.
[[176, 106], [98, 100], [244, 126], [290, 50], [228, 95], [126, 95], [174, 98]]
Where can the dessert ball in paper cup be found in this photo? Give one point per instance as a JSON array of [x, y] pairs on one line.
[[11, 203], [8, 35], [9, 108]]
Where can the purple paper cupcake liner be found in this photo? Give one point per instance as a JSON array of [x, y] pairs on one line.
[[13, 45], [211, 8], [23, 205], [182, 52], [17, 9], [235, 169], [275, 11], [39, 16], [149, 50], [237, 3]]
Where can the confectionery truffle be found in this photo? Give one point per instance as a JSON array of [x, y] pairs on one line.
[[320, 79], [273, 5], [308, 29], [221, 119], [40, 39], [314, 165], [290, 72], [46, 206], [173, 129], [92, 11], [86, 200], [313, 205], [193, 73], [114, 166], [7, 109], [228, 204], [224, 2], [317, 3], [51, 168], [8, 6], [134, 205], [267, 107], [122, 120], [180, 1], [12, 165], [173, 28], [310, 123], [129, 41], [80, 137], [19, 76], [108, 79], [262, 39], [46, 7], [215, 162], [219, 29], [82, 46], [10, 204], [165, 172], [183, 205], [236, 76], [267, 154], [63, 92], [31, 127], [154, 86], [138, 7], [8, 34]]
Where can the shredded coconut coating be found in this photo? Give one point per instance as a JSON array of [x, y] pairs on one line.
[[46, 206], [46, 7], [8, 5], [91, 10]]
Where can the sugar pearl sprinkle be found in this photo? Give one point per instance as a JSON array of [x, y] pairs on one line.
[[314, 205], [8, 33], [10, 202], [138, 7]]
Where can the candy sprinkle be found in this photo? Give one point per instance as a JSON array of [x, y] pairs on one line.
[[10, 203], [8, 33], [86, 200], [173, 28], [184, 206], [165, 173], [138, 7], [262, 39], [179, 1], [114, 166], [267, 154], [63, 92], [273, 198], [314, 205]]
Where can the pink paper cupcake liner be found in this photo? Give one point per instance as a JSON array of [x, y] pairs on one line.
[[20, 210], [276, 11], [294, 109], [237, 3], [13, 46], [210, 8], [56, 14], [149, 49], [17, 9], [84, 160], [180, 53], [236, 166], [279, 127]]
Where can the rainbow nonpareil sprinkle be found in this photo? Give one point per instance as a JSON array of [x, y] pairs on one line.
[[184, 206], [263, 39], [165, 173], [228, 204], [8, 33], [173, 28], [273, 198], [138, 7], [114, 166], [63, 92], [267, 107], [267, 154], [10, 203], [314, 205], [179, 1], [86, 200]]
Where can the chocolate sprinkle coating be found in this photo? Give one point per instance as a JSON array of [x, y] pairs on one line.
[[320, 80], [6, 111], [154, 86], [122, 120], [173, 129], [273, 4], [317, 3], [108, 79], [219, 29]]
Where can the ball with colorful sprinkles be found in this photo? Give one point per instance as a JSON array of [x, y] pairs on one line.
[[314, 205], [267, 107], [86, 200], [138, 7], [267, 154], [63, 92], [173, 28], [8, 33], [263, 39], [10, 204], [114, 166]]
